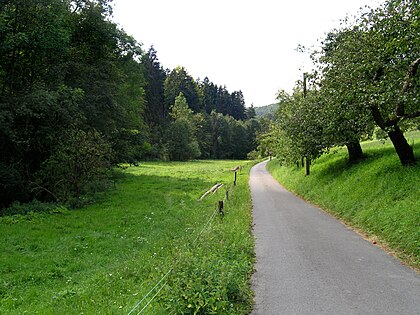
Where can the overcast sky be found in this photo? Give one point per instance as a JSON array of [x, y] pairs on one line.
[[245, 45]]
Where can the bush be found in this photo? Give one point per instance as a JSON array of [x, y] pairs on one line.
[[77, 163], [253, 155], [34, 206]]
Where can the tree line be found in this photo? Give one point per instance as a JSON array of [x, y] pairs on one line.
[[365, 81], [78, 96]]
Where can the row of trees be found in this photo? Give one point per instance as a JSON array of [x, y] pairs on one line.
[[78, 96], [192, 135], [366, 78], [202, 96], [220, 124]]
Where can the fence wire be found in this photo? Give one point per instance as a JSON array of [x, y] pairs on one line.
[[160, 284]]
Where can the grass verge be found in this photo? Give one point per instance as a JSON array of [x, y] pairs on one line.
[[377, 196], [102, 259]]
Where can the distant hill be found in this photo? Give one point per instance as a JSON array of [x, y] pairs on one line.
[[267, 111]]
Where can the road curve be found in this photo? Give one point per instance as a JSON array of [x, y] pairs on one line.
[[307, 262]]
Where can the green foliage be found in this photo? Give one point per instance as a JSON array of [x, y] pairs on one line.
[[298, 130], [217, 98], [199, 135], [208, 136], [105, 257], [182, 142], [377, 196], [267, 111], [35, 124], [238, 110], [180, 110], [79, 160], [250, 112], [369, 71], [34, 37], [276, 141], [64, 66], [155, 110], [366, 75], [177, 81], [34, 105], [32, 207], [104, 63], [223, 137]]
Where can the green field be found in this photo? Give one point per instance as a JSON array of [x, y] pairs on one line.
[[102, 259], [377, 195]]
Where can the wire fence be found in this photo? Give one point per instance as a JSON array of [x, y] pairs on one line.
[[158, 287]]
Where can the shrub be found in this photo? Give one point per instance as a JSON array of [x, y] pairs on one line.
[[34, 206], [77, 163]]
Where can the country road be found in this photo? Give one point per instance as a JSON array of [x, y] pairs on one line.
[[307, 262]]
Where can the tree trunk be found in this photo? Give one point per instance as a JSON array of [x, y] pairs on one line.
[[355, 151], [404, 150], [308, 166]]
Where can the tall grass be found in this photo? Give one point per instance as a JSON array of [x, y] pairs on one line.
[[377, 195], [102, 259]]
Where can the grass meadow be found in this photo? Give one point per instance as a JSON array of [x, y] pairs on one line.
[[103, 258], [377, 195]]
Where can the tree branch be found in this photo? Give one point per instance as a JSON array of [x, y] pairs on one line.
[[413, 115], [76, 7], [377, 116], [412, 70], [40, 188]]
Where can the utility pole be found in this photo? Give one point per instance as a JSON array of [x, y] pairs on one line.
[[308, 159]]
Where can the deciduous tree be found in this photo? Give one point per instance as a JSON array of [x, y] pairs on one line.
[[372, 66]]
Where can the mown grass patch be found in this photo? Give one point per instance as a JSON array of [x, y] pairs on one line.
[[377, 195], [102, 259]]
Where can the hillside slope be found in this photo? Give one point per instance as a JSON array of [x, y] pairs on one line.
[[267, 111], [377, 196]]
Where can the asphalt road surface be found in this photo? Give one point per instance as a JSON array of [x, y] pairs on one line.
[[307, 262]]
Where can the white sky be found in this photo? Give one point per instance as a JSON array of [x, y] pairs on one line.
[[243, 44]]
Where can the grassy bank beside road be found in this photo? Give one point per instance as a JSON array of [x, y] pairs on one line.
[[377, 195], [102, 259]]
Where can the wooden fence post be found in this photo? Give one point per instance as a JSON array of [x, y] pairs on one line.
[[221, 212]]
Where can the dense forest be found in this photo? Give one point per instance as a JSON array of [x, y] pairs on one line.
[[79, 96], [267, 111], [365, 83]]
